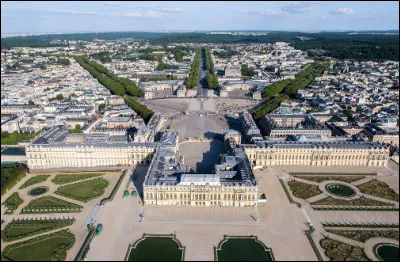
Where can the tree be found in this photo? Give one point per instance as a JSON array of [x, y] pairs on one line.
[[43, 67], [31, 102], [78, 127], [102, 106], [59, 97]]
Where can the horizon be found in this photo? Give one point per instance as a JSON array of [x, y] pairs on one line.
[[104, 16]]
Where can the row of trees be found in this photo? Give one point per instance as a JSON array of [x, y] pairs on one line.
[[139, 108], [301, 81], [212, 79], [193, 79], [282, 90], [270, 106], [15, 137], [10, 174], [117, 85]]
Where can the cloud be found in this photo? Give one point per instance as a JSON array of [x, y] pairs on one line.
[[74, 12], [171, 9], [158, 12], [342, 11], [148, 14], [269, 12], [300, 7], [109, 3]]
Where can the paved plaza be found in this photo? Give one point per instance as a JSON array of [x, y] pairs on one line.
[[201, 156], [280, 225]]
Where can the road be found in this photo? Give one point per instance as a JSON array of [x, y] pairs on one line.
[[201, 89]]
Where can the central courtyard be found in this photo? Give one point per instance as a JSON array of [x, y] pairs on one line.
[[201, 156]]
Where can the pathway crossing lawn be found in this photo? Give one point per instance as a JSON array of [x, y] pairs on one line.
[[51, 247], [34, 180], [84, 191], [47, 202], [243, 250], [61, 179], [13, 202], [156, 249], [18, 229]]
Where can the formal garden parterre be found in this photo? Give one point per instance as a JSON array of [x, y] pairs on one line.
[[61, 179], [358, 245], [84, 191], [30, 232], [34, 180], [18, 229], [51, 247], [335, 191], [50, 204], [12, 202]]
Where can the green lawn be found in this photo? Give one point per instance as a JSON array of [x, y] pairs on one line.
[[379, 189], [84, 191], [303, 190], [13, 201], [44, 248], [156, 249], [34, 180], [363, 201], [61, 179], [238, 249], [49, 202], [18, 229]]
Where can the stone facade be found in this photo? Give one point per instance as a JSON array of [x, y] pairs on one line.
[[321, 154], [196, 195]]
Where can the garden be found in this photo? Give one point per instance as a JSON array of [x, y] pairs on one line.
[[319, 179], [364, 235], [362, 201], [51, 247], [303, 190], [34, 180], [50, 204], [12, 202], [84, 191], [339, 251], [61, 179], [18, 229], [379, 189]]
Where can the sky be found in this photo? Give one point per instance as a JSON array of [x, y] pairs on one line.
[[106, 16]]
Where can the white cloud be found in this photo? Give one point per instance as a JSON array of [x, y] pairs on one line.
[[74, 12], [170, 9], [342, 11], [148, 14], [300, 7], [109, 3], [269, 12]]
